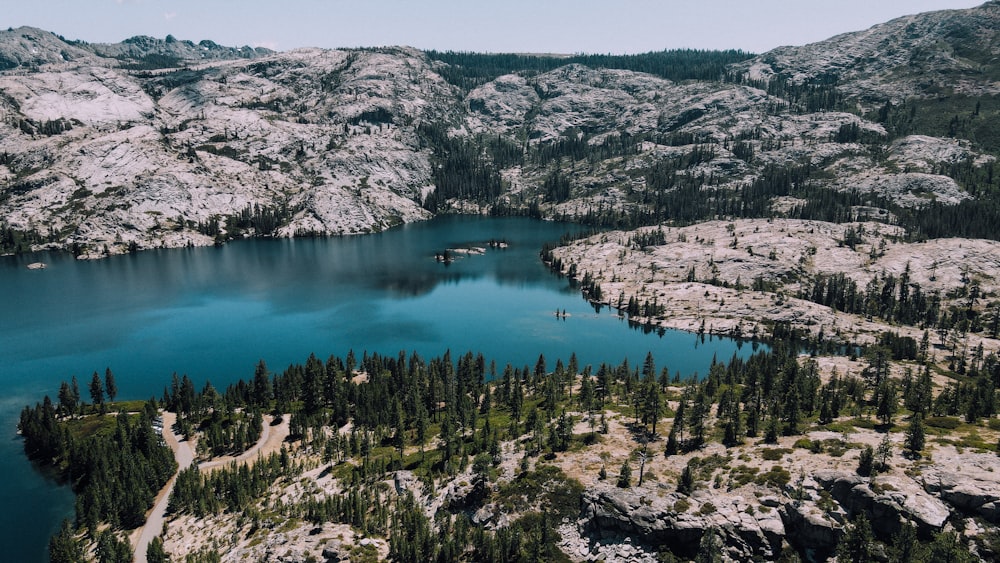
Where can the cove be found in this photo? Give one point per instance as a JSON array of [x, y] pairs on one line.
[[212, 313]]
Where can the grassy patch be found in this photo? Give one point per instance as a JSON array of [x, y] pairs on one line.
[[866, 423], [838, 426], [364, 553], [942, 422], [972, 440], [837, 448], [289, 525], [806, 444], [91, 426]]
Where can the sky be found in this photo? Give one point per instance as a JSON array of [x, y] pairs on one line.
[[521, 26]]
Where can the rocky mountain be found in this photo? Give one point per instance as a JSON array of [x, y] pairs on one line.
[[98, 155], [937, 53], [148, 143]]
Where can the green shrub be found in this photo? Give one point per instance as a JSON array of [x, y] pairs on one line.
[[743, 474], [826, 502], [776, 477], [863, 423], [774, 454], [835, 447]]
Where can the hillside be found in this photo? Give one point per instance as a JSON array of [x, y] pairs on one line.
[[149, 143], [823, 280], [932, 54]]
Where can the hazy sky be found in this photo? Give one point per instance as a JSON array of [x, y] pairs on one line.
[[539, 26]]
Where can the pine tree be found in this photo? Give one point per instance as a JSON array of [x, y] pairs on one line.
[[423, 425], [866, 462], [586, 396], [64, 547], [733, 426], [155, 552], [914, 439], [652, 403], [710, 548], [792, 412], [685, 483], [625, 475], [109, 385], [96, 390], [887, 402], [312, 384], [948, 547], [771, 430], [399, 438], [883, 453], [921, 394], [825, 412], [699, 414], [111, 550], [67, 403], [75, 388], [261, 386], [858, 543]]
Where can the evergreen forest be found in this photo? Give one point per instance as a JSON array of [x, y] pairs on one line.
[[366, 418]]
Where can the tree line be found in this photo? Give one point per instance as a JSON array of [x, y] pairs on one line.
[[468, 70]]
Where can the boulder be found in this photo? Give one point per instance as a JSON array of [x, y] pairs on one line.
[[406, 481]]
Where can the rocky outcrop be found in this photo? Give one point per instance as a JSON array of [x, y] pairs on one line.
[[889, 502], [811, 529], [662, 522], [969, 492], [813, 521]]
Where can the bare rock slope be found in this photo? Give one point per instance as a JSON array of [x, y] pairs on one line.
[[150, 142], [105, 158]]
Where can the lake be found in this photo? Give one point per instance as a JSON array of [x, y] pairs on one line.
[[212, 313]]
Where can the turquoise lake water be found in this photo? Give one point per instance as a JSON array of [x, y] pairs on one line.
[[212, 313]]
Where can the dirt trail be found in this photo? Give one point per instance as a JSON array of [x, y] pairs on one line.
[[154, 522], [271, 438]]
